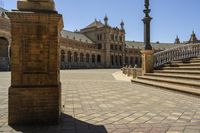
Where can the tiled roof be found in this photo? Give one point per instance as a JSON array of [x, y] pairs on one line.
[[2, 12], [140, 45], [75, 36], [95, 24]]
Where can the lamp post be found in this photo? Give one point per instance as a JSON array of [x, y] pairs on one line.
[[147, 52], [147, 20]]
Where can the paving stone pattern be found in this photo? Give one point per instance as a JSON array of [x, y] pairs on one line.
[[95, 102]]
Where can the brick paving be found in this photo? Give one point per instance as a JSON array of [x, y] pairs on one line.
[[95, 102]]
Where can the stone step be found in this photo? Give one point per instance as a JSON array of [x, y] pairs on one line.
[[175, 76], [191, 72], [174, 81], [181, 68], [181, 64], [170, 86], [186, 61]]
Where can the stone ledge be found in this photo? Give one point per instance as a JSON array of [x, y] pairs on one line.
[[33, 6]]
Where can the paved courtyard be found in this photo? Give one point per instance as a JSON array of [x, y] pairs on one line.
[[95, 102]]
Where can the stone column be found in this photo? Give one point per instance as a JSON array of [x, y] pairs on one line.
[[147, 61], [35, 91], [147, 53]]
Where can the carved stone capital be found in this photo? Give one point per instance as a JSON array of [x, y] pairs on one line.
[[36, 5]]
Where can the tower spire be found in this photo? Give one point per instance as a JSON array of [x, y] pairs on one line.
[[122, 24], [106, 20], [147, 20], [177, 40]]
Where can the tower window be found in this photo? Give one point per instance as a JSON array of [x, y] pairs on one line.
[[99, 46], [99, 37]]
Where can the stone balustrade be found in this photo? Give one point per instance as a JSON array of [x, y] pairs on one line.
[[177, 53], [131, 72]]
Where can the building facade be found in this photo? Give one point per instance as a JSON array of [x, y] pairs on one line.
[[98, 45]]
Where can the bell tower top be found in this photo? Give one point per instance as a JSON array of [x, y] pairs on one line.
[[36, 5]]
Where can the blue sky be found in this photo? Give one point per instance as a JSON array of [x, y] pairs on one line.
[[170, 17]]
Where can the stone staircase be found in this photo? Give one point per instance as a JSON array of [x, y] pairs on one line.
[[183, 76]]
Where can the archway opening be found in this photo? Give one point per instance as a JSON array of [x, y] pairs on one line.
[[62, 56], [4, 47], [69, 56], [93, 58], [99, 58], [81, 57], [87, 58]]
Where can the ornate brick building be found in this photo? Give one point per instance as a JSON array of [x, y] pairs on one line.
[[98, 45]]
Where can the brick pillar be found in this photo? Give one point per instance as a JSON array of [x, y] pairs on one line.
[[35, 91], [147, 61]]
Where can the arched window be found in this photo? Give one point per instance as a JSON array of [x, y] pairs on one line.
[[75, 57], [62, 56], [120, 60], [69, 56], [4, 47], [93, 58], [81, 57], [131, 61], [116, 59], [87, 58], [99, 58], [136, 60], [126, 60], [112, 61], [111, 46]]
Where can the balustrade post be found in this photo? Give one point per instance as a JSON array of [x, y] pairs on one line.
[[147, 61]]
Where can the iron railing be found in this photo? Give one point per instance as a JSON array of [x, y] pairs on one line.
[[176, 53]]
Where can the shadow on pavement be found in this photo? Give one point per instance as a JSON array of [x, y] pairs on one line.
[[68, 124]]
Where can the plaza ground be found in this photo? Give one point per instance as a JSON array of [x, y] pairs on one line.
[[95, 101]]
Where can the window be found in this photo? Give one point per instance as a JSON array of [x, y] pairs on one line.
[[126, 60], [99, 58], [116, 60], [87, 58], [93, 58], [120, 60], [99, 37], [112, 37], [81, 57], [136, 60], [99, 46], [111, 46], [116, 37], [131, 61], [62, 55], [4, 47], [120, 39], [120, 47], [116, 47], [69, 56], [112, 61], [75, 57]]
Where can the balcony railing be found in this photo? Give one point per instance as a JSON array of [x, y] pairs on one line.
[[176, 53]]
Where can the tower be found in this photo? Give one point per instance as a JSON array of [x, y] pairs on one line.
[[106, 20], [177, 40], [122, 25], [193, 38]]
